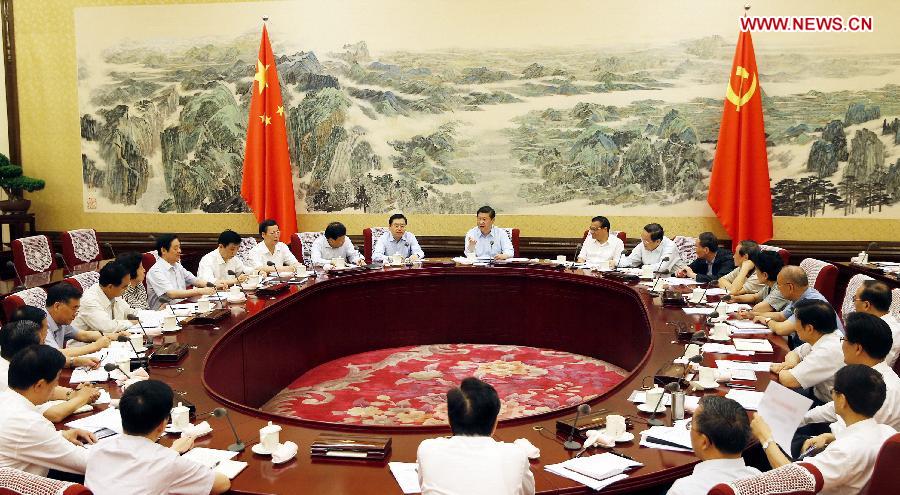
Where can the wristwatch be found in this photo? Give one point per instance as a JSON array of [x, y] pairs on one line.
[[766, 443]]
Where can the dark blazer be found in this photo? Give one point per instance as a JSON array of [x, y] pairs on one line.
[[722, 265]]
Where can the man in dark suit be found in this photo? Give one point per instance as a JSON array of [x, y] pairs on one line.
[[711, 264]]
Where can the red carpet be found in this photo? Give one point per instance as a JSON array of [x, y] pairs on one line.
[[407, 386]]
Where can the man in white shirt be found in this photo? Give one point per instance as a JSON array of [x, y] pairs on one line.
[[471, 462], [599, 246], [397, 241], [63, 303], [102, 307], [271, 250], [813, 364], [28, 441], [167, 279], [846, 463], [720, 430], [216, 264], [874, 297], [487, 240], [135, 463], [742, 280], [335, 244], [653, 249], [867, 341]]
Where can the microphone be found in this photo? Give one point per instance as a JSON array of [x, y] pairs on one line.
[[238, 445], [725, 298], [109, 246], [657, 273], [572, 444], [12, 266], [277, 273], [109, 367], [62, 262], [142, 360], [148, 342], [871, 247], [671, 387]]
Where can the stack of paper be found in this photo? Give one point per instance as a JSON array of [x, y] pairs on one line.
[[756, 345], [407, 476], [698, 311], [81, 375], [783, 409], [679, 281], [724, 349], [596, 471], [676, 438], [220, 460], [108, 418], [725, 364], [750, 399]]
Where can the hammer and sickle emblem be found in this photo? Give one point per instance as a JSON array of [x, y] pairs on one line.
[[737, 99]]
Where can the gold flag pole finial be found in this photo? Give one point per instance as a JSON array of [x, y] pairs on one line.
[[746, 9], [266, 18]]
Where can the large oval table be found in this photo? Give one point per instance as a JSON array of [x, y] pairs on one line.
[[266, 343]]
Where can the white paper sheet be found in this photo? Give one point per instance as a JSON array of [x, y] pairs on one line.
[[698, 311], [747, 325], [601, 461], [679, 281], [724, 349], [783, 409], [748, 375], [209, 457], [80, 375], [407, 476], [107, 418], [750, 399], [756, 345], [743, 365]]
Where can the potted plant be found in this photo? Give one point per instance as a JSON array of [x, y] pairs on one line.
[[15, 184]]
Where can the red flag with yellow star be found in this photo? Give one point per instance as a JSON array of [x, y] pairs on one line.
[[267, 185]]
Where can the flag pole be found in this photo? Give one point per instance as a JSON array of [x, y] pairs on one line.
[[746, 9]]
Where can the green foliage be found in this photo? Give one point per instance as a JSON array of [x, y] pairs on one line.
[[13, 182]]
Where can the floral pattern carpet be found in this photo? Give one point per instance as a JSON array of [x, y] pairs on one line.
[[407, 386]]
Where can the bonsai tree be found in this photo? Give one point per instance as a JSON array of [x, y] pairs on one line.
[[13, 182]]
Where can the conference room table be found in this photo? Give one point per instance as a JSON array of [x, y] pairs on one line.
[[266, 343]]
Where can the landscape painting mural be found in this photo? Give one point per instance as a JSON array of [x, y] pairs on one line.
[[393, 109]]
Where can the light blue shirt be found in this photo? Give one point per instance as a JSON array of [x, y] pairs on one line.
[[323, 253], [813, 294], [406, 246], [490, 245], [163, 277], [57, 335]]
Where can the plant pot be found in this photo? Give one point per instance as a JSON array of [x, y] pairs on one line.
[[14, 206]]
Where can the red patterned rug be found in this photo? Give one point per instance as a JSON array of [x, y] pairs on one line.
[[407, 386]]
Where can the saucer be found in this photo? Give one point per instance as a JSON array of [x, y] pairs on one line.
[[258, 448], [625, 437], [649, 410]]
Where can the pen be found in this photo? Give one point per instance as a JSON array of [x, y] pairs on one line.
[[739, 386], [616, 452]]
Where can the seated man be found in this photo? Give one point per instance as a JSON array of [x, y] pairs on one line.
[[599, 246], [742, 280], [471, 462], [135, 463], [396, 241], [874, 297], [64, 401], [216, 264], [794, 286], [486, 240], [813, 364], [335, 244], [711, 264], [846, 463], [28, 441], [63, 303], [867, 342], [135, 294], [653, 249], [768, 299], [168, 280], [102, 307], [720, 430], [271, 250]]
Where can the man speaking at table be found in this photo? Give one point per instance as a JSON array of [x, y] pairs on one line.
[[655, 250], [486, 240]]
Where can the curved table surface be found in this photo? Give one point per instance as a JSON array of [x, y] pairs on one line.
[[268, 342]]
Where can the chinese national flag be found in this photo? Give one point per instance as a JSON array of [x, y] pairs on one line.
[[267, 183], [739, 187]]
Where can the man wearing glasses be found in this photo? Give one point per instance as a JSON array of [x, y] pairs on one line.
[[599, 246], [794, 286], [271, 249], [653, 249]]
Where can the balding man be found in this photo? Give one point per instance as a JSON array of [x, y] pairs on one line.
[[794, 286], [874, 297]]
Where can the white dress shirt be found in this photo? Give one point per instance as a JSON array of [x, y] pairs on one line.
[[641, 257], [99, 313], [30, 443], [894, 323], [213, 268], [260, 256], [818, 364], [889, 414], [322, 252], [135, 465], [163, 277], [595, 252], [473, 465], [487, 246], [4, 375], [846, 464], [406, 246], [710, 473]]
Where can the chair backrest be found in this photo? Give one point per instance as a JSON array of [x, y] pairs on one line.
[[687, 248], [784, 253], [301, 246], [247, 243], [895, 303], [15, 482], [792, 479], [822, 276], [514, 238], [148, 259], [852, 286], [36, 297], [83, 281], [32, 255], [885, 475], [80, 247], [370, 237]]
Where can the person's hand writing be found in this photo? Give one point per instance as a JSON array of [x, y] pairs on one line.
[[818, 442], [78, 437], [85, 362], [183, 444]]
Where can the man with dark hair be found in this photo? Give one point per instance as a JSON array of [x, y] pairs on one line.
[[397, 241], [813, 364], [135, 294], [600, 246], [711, 263], [28, 441], [874, 297], [767, 265], [471, 462], [102, 307], [486, 240], [846, 463], [720, 430], [653, 248], [794, 286], [167, 278], [63, 303], [271, 249], [334, 245], [743, 280], [135, 463], [216, 264]]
